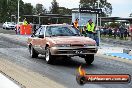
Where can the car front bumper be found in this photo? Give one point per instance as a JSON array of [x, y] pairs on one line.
[[73, 50]]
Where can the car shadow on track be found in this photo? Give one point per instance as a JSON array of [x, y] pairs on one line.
[[69, 62]]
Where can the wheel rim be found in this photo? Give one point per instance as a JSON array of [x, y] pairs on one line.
[[31, 51], [47, 55]]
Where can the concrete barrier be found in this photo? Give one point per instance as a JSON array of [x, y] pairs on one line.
[[127, 51]]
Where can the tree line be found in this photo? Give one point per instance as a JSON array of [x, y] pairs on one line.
[[8, 8]]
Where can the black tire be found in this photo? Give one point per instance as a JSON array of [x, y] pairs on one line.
[[89, 59], [33, 53], [48, 57]]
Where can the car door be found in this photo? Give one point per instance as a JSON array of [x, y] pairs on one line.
[[42, 40], [39, 40]]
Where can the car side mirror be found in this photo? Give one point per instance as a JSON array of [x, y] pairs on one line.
[[41, 36]]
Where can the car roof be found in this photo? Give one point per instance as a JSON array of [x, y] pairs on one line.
[[9, 22], [57, 25]]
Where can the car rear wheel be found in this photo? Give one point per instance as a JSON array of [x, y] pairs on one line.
[[48, 57], [33, 53], [89, 59]]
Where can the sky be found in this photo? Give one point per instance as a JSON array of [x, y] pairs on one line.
[[121, 8]]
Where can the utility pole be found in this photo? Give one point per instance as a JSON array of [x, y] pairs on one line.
[[98, 23], [98, 15], [39, 19], [18, 12], [79, 14]]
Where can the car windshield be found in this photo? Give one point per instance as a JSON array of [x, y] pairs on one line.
[[11, 23], [60, 31]]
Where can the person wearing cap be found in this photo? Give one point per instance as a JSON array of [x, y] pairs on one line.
[[90, 26]]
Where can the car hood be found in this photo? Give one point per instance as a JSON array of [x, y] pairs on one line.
[[71, 40]]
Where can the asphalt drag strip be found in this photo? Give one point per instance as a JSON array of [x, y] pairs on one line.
[[16, 60]]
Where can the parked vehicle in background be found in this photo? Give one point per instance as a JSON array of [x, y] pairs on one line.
[[61, 41], [9, 25]]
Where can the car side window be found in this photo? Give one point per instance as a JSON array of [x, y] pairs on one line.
[[42, 31], [48, 32], [37, 32]]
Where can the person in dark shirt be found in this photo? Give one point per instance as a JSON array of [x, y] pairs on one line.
[[121, 29], [125, 34], [115, 32], [110, 32]]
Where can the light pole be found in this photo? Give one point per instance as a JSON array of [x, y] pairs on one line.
[[98, 15], [98, 23], [11, 17], [18, 12], [39, 19], [79, 14]]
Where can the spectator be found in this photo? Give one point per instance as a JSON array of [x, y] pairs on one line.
[[125, 34], [110, 32], [104, 31], [115, 32], [101, 31], [34, 28], [121, 29]]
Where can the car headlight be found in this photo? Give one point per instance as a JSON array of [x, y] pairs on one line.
[[63, 45]]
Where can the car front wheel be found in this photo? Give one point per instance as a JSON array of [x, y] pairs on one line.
[[89, 59], [33, 53], [48, 57]]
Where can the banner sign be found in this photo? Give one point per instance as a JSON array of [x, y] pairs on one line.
[[87, 10]]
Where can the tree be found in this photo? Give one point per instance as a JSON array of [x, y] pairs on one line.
[[63, 11], [3, 10], [39, 9], [28, 9], [113, 24], [93, 4], [55, 7], [10, 7]]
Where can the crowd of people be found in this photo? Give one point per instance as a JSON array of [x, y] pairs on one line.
[[121, 32]]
